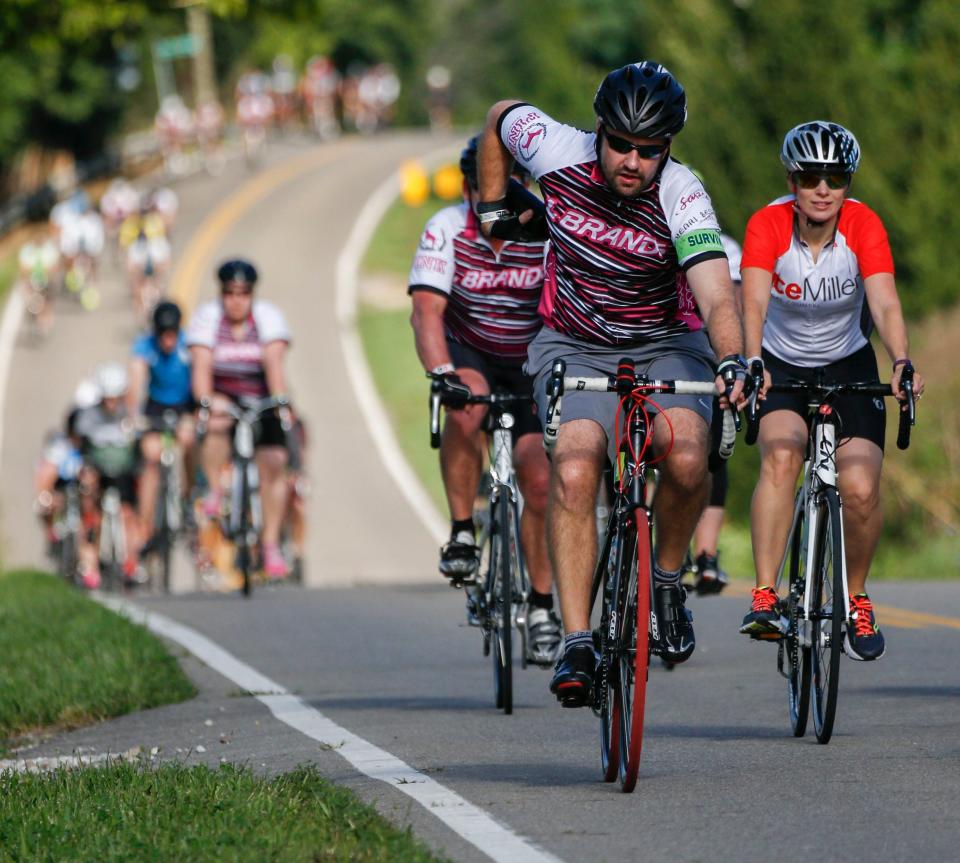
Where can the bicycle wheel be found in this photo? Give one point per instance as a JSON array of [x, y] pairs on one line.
[[791, 648], [68, 561], [164, 534], [828, 612], [503, 614], [608, 681], [242, 539], [634, 584]]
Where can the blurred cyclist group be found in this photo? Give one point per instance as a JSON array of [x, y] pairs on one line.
[[65, 259], [177, 379], [319, 99]]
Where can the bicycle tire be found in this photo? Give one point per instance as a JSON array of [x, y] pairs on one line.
[[609, 692], [826, 631], [504, 610], [244, 557], [634, 652], [492, 608], [798, 655], [164, 534], [68, 562]]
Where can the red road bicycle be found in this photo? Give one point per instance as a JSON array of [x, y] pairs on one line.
[[629, 630]]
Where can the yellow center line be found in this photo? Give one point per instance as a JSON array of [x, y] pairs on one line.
[[191, 273]]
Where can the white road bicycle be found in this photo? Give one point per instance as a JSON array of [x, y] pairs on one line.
[[812, 578]]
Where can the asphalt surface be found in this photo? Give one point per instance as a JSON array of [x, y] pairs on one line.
[[722, 777]]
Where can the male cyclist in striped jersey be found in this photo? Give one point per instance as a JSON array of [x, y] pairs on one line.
[[635, 268], [474, 313]]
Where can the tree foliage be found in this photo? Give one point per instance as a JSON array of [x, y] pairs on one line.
[[752, 69]]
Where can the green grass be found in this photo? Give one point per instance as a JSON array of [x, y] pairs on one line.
[[8, 271], [392, 251], [66, 661], [130, 811], [399, 377]]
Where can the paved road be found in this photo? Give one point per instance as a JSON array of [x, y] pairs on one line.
[[722, 777]]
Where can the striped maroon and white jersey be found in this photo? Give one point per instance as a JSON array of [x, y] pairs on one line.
[[238, 362], [615, 270], [493, 296]]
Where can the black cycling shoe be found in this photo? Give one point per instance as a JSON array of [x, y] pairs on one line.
[[675, 621], [710, 578], [764, 620], [863, 639], [460, 559], [573, 679]]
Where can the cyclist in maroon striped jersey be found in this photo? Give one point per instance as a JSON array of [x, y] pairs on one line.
[[474, 313], [238, 348], [635, 268]]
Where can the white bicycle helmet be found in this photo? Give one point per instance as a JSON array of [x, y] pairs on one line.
[[111, 380], [86, 395], [820, 146]]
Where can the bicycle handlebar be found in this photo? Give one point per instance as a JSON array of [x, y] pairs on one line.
[[624, 382], [250, 412], [438, 397], [826, 391]]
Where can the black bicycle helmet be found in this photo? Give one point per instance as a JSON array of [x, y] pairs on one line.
[[641, 99], [237, 270], [166, 317], [820, 146]]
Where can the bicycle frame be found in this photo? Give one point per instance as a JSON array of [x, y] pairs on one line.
[[819, 473], [504, 482]]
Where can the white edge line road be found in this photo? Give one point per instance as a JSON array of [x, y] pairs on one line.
[[471, 823], [358, 370]]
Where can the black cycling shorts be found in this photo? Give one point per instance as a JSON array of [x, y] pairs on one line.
[[860, 416], [126, 484], [501, 377], [268, 431], [156, 409]]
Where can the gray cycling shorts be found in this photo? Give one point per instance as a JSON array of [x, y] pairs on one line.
[[686, 357]]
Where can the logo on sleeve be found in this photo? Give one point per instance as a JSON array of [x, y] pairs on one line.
[[432, 239], [686, 200], [530, 141]]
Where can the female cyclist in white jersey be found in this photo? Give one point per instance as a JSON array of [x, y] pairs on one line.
[[817, 275]]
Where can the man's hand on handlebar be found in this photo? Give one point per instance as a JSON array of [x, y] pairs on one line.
[[454, 393], [731, 382]]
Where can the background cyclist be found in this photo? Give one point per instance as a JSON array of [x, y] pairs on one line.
[[238, 347], [817, 270], [635, 267], [474, 313], [110, 460], [159, 382], [708, 577]]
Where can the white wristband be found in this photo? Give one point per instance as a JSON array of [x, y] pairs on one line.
[[444, 369]]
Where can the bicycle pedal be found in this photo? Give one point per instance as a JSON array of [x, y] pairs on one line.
[[766, 636]]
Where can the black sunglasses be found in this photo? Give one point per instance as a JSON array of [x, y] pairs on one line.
[[623, 146], [811, 179], [236, 292]]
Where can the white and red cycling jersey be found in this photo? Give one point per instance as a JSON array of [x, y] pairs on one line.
[[238, 362], [615, 267], [493, 296], [817, 312]]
